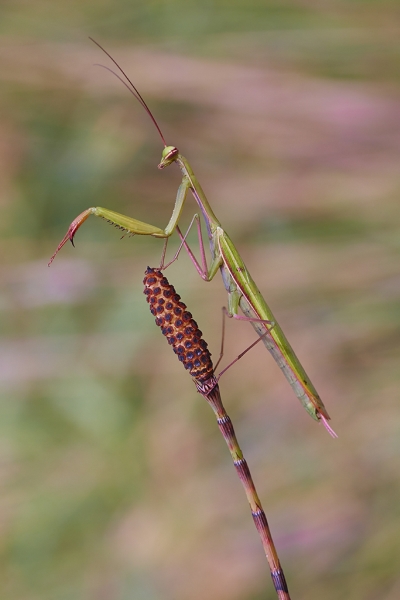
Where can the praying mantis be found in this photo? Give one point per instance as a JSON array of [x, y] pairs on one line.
[[243, 292]]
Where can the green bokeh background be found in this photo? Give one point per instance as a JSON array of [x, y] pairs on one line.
[[115, 482]]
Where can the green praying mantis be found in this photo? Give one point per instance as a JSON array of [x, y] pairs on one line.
[[242, 291]]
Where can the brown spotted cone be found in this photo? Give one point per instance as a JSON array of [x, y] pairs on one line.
[[177, 325]]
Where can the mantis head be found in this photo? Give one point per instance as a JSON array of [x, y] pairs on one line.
[[168, 156]]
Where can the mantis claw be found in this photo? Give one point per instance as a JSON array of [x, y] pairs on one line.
[[72, 229]]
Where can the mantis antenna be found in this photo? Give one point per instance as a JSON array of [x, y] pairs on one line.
[[133, 90]]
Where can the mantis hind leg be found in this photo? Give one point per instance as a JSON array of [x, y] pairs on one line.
[[225, 313], [205, 273], [200, 269]]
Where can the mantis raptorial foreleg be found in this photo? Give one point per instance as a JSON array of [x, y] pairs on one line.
[[128, 224]]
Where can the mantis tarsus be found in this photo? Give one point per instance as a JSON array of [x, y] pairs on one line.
[[187, 341], [242, 291]]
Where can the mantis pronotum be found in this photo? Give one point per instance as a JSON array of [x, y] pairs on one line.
[[186, 339], [242, 291]]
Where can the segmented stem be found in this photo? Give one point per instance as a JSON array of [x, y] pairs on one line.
[[210, 391], [186, 339]]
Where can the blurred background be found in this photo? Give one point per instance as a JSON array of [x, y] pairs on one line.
[[115, 481]]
